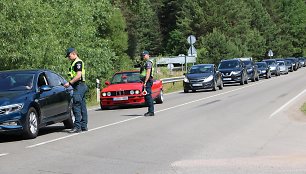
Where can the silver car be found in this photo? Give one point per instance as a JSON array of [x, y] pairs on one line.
[[282, 67], [273, 66]]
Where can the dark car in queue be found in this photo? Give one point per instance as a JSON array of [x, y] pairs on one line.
[[289, 64], [233, 71], [202, 76], [295, 62], [263, 70], [32, 99], [274, 68], [251, 69]]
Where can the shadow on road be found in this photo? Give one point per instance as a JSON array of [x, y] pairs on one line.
[[11, 137]]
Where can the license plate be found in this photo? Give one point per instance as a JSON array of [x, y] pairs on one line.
[[197, 84], [227, 78], [120, 98]]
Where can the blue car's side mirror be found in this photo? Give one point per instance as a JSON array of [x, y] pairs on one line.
[[45, 88]]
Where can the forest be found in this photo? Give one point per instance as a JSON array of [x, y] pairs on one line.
[[110, 34]]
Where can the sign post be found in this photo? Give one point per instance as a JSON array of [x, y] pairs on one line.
[[270, 53], [192, 50]]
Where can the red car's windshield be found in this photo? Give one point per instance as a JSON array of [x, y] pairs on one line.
[[126, 77]]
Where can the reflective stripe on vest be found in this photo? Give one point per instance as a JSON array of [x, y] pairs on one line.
[[72, 73], [144, 71]]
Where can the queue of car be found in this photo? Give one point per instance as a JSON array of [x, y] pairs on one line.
[[237, 70], [32, 99]]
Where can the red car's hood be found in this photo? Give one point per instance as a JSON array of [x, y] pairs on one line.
[[123, 86]]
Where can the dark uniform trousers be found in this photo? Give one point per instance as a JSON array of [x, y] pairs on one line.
[[79, 106], [148, 97]]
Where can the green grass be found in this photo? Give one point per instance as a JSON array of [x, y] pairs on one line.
[[303, 108]]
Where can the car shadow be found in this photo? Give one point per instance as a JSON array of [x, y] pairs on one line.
[[9, 137], [132, 115], [233, 84], [121, 107], [6, 137], [52, 129], [198, 91]]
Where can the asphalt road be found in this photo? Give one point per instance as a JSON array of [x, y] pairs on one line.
[[254, 128]]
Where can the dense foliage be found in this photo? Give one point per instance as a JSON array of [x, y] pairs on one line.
[[110, 34]]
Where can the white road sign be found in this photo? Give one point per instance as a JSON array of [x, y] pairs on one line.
[[191, 39]]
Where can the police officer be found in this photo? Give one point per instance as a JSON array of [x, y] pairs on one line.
[[146, 75], [77, 74]]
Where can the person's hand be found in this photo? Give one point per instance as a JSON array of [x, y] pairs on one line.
[[66, 85], [144, 84]]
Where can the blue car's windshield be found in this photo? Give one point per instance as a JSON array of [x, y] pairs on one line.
[[270, 62], [16, 81], [201, 69], [126, 77], [247, 63], [261, 65], [229, 65]]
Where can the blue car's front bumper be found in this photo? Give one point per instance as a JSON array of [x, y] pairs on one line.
[[198, 84], [11, 122]]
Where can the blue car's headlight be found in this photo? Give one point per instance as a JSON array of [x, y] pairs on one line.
[[209, 78], [236, 72], [186, 80], [10, 108]]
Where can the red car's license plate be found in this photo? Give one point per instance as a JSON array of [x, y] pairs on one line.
[[120, 98]]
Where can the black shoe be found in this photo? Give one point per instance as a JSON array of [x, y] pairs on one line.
[[149, 114], [75, 130], [85, 129]]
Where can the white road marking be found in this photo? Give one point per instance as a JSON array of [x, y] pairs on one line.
[[123, 121], [71, 135], [3, 154], [286, 104]]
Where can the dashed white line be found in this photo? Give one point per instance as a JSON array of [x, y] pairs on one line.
[[71, 135], [3, 154], [123, 121], [286, 104]]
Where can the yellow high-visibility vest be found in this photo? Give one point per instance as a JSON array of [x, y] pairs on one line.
[[72, 73], [144, 71]]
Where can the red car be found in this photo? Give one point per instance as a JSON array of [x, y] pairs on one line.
[[125, 88]]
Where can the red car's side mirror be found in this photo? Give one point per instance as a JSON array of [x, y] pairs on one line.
[[107, 83]]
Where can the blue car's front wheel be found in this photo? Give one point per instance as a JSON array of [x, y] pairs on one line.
[[31, 124]]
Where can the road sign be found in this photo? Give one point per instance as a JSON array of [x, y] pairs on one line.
[[191, 39], [192, 51], [270, 53]]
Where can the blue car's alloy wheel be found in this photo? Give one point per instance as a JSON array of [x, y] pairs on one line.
[[31, 124]]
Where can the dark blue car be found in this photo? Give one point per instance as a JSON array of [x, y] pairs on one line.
[[31, 99], [202, 76]]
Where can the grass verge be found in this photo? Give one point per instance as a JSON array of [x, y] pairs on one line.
[[303, 108]]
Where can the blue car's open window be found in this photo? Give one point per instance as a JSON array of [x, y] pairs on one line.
[[16, 81]]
